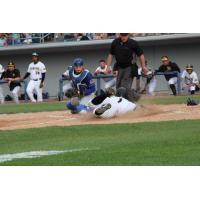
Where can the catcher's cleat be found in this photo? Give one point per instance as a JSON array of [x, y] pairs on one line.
[[102, 109]]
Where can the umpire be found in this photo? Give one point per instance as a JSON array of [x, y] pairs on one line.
[[125, 51]]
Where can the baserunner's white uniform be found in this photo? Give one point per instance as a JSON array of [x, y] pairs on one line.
[[119, 106], [1, 89], [35, 71]]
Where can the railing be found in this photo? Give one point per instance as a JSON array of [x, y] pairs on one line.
[[25, 86], [99, 77], [41, 38]]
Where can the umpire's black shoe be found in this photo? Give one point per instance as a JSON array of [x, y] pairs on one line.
[[102, 109]]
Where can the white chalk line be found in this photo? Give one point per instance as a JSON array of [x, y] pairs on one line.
[[37, 154]]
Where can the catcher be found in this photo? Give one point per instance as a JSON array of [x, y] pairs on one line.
[[191, 82], [82, 84]]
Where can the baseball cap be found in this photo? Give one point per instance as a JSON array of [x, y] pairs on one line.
[[11, 63], [35, 54], [165, 58], [189, 66], [123, 34]]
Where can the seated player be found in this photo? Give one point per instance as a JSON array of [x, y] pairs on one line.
[[105, 70], [108, 104], [191, 82], [12, 75], [168, 66], [82, 83]]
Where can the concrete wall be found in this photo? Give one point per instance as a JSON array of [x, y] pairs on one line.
[[57, 61]]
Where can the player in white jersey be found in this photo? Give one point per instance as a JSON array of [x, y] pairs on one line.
[[114, 106], [1, 89], [36, 71], [103, 69], [191, 82], [107, 105]]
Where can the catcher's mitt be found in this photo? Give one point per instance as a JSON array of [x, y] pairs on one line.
[[71, 93]]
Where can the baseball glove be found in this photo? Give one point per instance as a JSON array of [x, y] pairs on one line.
[[72, 93], [129, 94]]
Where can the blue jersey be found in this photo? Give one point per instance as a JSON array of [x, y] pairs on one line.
[[83, 82]]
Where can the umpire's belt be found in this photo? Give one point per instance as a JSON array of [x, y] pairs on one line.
[[36, 79]]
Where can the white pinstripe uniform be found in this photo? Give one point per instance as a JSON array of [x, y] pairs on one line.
[[35, 71], [1, 89]]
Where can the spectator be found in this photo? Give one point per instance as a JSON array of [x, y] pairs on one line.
[[28, 38], [168, 66], [191, 82], [9, 40], [105, 70], [16, 38], [2, 40], [90, 36], [99, 36], [69, 37]]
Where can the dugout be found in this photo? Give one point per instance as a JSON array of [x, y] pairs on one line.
[[181, 48]]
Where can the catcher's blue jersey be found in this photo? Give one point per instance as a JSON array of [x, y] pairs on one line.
[[83, 82]]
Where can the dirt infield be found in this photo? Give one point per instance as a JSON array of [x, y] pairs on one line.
[[145, 113]]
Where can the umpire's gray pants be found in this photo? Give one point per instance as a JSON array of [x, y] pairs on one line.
[[125, 77]]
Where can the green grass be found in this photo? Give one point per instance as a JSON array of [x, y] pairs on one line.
[[168, 100], [27, 108], [56, 106], [156, 143]]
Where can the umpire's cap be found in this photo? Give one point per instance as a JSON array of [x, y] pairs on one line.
[[123, 34], [35, 54], [11, 64], [189, 67], [78, 62]]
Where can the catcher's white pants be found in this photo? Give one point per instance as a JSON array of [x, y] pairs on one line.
[[15, 94], [1, 95], [34, 85], [172, 81], [119, 106]]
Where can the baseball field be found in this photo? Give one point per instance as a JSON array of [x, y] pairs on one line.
[[161, 131]]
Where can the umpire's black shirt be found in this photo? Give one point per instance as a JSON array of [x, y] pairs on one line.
[[172, 67], [125, 52], [12, 74]]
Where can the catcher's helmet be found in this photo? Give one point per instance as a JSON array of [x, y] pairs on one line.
[[78, 62]]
